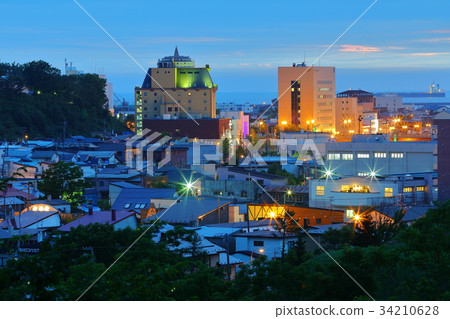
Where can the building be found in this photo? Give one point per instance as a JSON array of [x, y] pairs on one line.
[[442, 120], [175, 89], [305, 216], [353, 194], [377, 155], [391, 103], [192, 211], [231, 173], [307, 97], [120, 220]]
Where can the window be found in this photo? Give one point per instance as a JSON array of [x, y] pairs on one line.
[[420, 188], [204, 101], [320, 190], [145, 93], [258, 243], [363, 174], [179, 93], [407, 189], [355, 189], [127, 205], [324, 82], [189, 101], [379, 155], [388, 192], [349, 213], [155, 94], [244, 193], [334, 156], [189, 93], [363, 155], [206, 108], [396, 155], [324, 89], [154, 101], [347, 157], [169, 109], [156, 109], [231, 177], [189, 108], [318, 220]]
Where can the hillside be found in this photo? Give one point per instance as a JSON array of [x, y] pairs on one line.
[[35, 99]]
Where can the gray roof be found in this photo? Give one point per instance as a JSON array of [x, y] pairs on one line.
[[265, 234], [125, 185], [130, 197], [410, 213], [187, 210], [256, 174]]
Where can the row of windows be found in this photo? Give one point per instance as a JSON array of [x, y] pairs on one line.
[[325, 104], [349, 156], [388, 191], [324, 89], [324, 96]]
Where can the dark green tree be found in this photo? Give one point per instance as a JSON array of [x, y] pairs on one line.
[[64, 180]]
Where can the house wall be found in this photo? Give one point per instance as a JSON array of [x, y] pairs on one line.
[[129, 222], [272, 246]]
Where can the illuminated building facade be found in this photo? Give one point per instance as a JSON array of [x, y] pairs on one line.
[[367, 154], [175, 89], [309, 100]]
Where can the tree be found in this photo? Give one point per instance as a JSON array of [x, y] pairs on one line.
[[64, 180]]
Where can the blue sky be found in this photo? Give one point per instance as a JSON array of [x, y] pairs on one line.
[[398, 45]]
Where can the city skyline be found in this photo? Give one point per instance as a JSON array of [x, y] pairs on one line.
[[392, 48]]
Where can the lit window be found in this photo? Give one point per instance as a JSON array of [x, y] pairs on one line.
[[320, 190], [347, 157], [396, 155], [407, 189], [380, 155], [179, 93], [349, 213], [363, 155], [127, 205], [334, 156], [388, 192], [420, 188], [363, 174]]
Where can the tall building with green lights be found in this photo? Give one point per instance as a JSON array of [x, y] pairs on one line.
[[175, 89]]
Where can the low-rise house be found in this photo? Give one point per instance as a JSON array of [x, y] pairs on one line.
[[194, 211], [33, 220], [119, 219], [296, 195], [239, 174], [305, 216], [138, 199], [266, 242]]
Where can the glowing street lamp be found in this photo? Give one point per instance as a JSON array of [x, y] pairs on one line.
[[261, 251]]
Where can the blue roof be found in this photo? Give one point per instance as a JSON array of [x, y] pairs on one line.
[[130, 197]]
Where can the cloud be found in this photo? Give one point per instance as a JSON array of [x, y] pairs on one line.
[[429, 53], [437, 31], [435, 40], [358, 48]]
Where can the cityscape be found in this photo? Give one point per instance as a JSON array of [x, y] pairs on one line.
[[328, 184]]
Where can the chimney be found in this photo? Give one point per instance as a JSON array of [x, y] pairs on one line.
[[91, 211], [113, 214]]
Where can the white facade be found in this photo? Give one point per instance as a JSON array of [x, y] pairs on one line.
[[362, 157], [392, 103], [263, 244], [353, 193]]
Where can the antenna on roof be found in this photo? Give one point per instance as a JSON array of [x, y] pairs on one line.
[[176, 51]]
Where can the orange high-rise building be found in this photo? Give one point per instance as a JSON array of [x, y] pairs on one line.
[[306, 97]]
